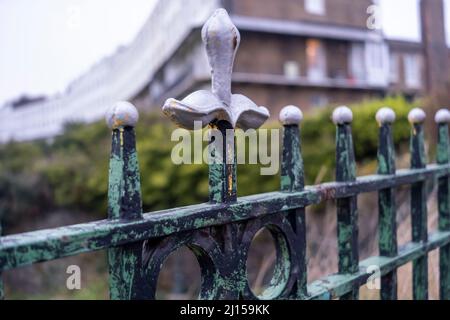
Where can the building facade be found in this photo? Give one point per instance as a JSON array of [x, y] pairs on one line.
[[315, 53], [311, 53]]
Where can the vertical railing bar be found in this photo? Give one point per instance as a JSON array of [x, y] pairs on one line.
[[221, 39], [419, 203], [124, 202], [215, 166], [442, 119], [223, 189], [292, 180], [387, 227], [222, 166], [2, 289], [223, 111], [347, 215]]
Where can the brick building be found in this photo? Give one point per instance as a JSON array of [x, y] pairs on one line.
[[318, 52], [309, 53]]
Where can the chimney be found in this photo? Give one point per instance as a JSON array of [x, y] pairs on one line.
[[436, 52]]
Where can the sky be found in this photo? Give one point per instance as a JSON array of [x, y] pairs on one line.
[[46, 44]]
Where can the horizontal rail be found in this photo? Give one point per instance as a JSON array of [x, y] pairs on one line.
[[336, 285], [44, 245]]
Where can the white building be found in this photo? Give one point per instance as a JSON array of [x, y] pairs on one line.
[[121, 76]]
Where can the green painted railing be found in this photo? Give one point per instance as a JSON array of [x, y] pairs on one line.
[[220, 232]]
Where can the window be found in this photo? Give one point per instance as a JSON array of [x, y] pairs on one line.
[[377, 63], [357, 62], [376, 56], [393, 68], [316, 60], [319, 100], [291, 69], [412, 67], [315, 6]]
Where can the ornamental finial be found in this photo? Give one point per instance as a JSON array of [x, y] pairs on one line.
[[416, 115], [442, 116], [122, 114], [385, 115], [221, 39], [342, 115], [291, 115]]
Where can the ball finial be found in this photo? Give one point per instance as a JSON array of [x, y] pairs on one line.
[[442, 116], [416, 115], [385, 115], [342, 115], [291, 115], [122, 114]]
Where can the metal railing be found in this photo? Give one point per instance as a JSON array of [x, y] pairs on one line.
[[220, 232]]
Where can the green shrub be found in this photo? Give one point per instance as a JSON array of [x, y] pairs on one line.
[[72, 171], [318, 135]]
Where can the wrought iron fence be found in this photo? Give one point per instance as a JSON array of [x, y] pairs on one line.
[[220, 232]]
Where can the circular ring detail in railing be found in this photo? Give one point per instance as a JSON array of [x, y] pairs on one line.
[[284, 275], [205, 249]]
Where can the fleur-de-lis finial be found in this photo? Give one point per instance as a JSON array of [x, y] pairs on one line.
[[221, 39]]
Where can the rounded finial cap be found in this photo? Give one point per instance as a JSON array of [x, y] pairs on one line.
[[342, 115], [442, 116], [122, 114], [416, 115], [291, 115], [385, 115]]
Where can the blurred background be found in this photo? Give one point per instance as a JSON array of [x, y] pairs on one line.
[[63, 63]]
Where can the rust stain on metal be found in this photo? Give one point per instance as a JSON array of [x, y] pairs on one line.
[[327, 193]]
